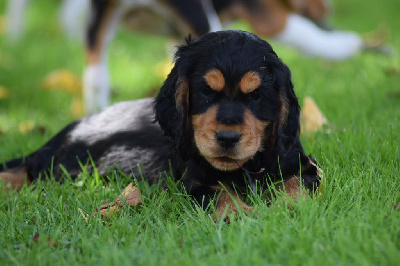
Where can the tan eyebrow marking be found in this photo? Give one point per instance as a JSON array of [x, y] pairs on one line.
[[250, 81], [215, 79]]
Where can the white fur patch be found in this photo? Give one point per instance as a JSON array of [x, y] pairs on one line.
[[311, 40], [120, 117]]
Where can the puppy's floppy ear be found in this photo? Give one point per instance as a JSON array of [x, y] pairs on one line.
[[172, 103], [289, 150]]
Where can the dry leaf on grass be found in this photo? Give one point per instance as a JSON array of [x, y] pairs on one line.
[[63, 80], [130, 195], [4, 94], [76, 107], [163, 68], [311, 118], [26, 126], [50, 242]]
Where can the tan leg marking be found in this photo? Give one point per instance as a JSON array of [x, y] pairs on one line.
[[229, 203], [292, 188], [16, 178]]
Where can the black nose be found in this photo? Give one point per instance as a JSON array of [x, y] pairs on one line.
[[227, 139]]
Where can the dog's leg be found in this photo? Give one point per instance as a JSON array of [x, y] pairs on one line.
[[229, 203], [71, 17], [227, 200], [15, 17], [104, 19], [212, 17], [16, 178], [312, 181], [276, 21], [292, 188], [313, 41]]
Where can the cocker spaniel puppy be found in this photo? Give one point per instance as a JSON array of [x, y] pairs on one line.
[[226, 118]]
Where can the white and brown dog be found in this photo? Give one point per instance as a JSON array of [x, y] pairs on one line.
[[298, 23], [293, 22]]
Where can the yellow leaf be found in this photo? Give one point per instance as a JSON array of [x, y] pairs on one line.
[[311, 117], [63, 80], [163, 68], [2, 25], [26, 126], [4, 92], [76, 109]]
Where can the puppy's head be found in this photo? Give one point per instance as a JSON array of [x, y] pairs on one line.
[[228, 98]]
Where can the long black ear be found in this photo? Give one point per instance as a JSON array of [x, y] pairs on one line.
[[289, 151], [172, 103]]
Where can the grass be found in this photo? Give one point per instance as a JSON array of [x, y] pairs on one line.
[[355, 223]]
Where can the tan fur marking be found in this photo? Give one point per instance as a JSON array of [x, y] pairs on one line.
[[250, 81], [215, 80], [292, 188], [16, 178], [269, 20], [229, 203], [93, 54], [251, 131], [182, 94], [284, 112]]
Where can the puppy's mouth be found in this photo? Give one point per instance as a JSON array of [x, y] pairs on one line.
[[226, 159], [226, 163]]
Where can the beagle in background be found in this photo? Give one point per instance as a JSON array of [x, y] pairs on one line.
[[301, 24], [298, 23]]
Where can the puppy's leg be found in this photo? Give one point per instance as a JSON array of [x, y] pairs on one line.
[[312, 181], [229, 203], [227, 200], [292, 188], [104, 19], [16, 178]]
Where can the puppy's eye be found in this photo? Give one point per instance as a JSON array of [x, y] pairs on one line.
[[254, 95]]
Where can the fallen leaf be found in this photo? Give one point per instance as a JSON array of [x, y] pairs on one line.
[[164, 68], [4, 92], [76, 108], [26, 126], [392, 71], [129, 195], [2, 25], [376, 41], [312, 119], [49, 241], [63, 80]]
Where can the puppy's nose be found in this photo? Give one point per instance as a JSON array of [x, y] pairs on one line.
[[227, 139]]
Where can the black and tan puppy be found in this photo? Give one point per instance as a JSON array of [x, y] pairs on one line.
[[227, 117]]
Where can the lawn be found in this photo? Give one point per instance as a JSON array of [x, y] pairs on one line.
[[356, 222]]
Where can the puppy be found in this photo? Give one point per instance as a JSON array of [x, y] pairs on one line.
[[227, 118]]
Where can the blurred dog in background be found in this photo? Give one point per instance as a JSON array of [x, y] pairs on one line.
[[301, 24]]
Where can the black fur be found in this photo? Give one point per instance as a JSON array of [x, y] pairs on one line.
[[125, 134]]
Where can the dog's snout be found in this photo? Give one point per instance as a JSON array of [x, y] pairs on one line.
[[227, 139]]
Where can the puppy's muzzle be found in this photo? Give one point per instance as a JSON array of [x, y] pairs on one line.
[[227, 139]]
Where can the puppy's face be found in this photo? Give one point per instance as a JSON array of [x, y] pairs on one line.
[[227, 96], [226, 132], [231, 107]]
